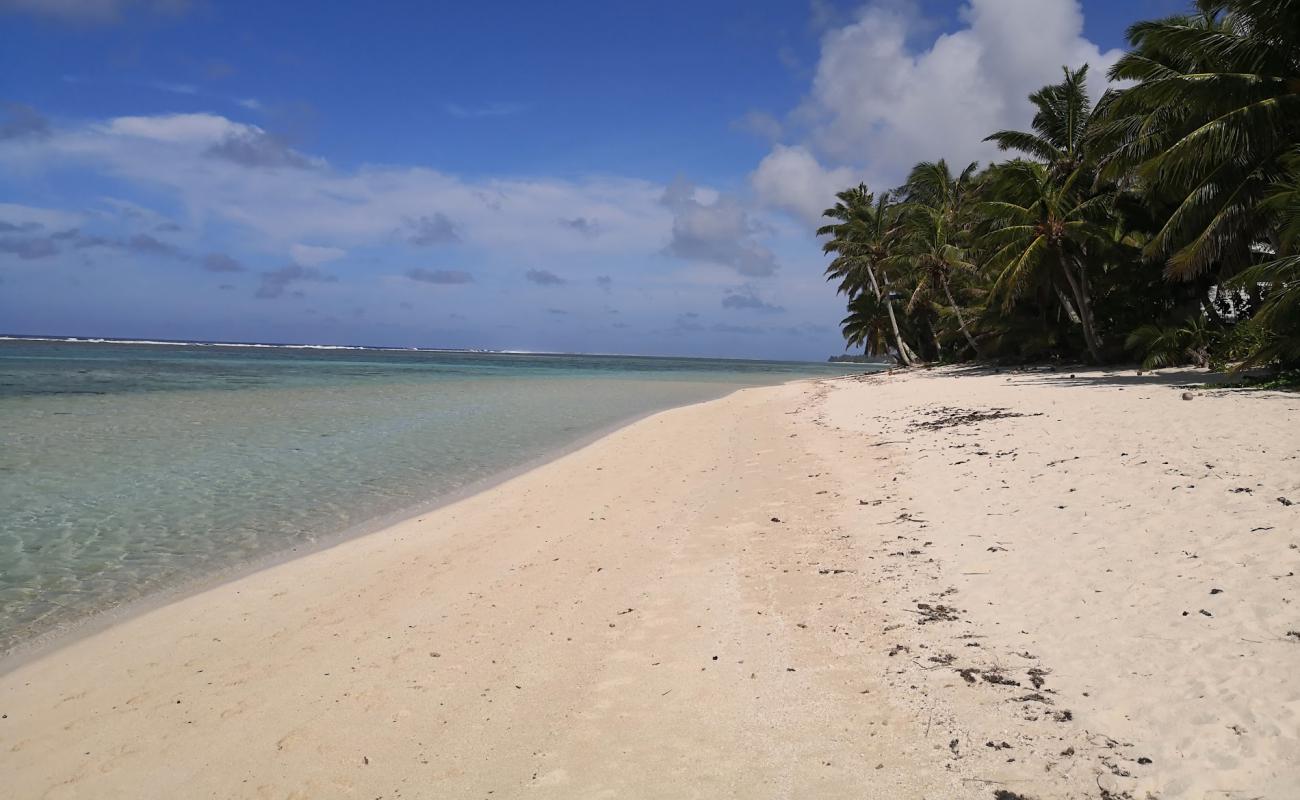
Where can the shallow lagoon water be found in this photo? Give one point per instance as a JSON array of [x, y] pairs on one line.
[[132, 469]]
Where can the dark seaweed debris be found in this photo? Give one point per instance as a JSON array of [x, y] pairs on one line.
[[936, 613], [945, 417], [994, 676]]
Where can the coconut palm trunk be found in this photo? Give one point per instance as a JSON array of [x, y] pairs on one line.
[[904, 353], [1083, 305], [961, 320]]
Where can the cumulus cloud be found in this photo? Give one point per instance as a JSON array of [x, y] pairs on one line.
[[544, 277], [721, 232], [201, 129], [272, 208], [790, 178], [255, 148], [508, 225], [746, 298], [879, 103], [431, 230], [940, 101], [443, 276], [276, 282], [168, 154], [215, 136], [220, 262]]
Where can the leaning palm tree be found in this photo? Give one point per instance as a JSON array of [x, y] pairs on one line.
[[1214, 108], [860, 239], [928, 249], [1046, 229]]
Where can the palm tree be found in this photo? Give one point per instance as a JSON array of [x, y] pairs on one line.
[[1214, 108], [928, 249], [867, 325], [1056, 222], [1045, 229], [1166, 217], [1060, 125], [1169, 345], [1278, 278], [860, 240], [932, 184], [934, 233]]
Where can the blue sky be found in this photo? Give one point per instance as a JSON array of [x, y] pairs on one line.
[[616, 177]]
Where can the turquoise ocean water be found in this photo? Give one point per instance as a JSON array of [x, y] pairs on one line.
[[127, 470]]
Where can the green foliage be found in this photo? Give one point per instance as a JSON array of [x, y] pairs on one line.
[[1162, 223], [1187, 341], [867, 325], [1285, 380]]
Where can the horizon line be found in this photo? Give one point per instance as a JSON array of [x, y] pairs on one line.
[[72, 339]]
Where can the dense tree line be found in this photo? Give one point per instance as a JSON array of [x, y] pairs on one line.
[[1160, 224]]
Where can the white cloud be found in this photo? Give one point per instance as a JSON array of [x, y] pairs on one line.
[[280, 197], [313, 256], [268, 213], [175, 128], [790, 178], [715, 229], [879, 104]]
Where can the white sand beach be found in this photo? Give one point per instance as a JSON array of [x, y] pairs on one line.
[[941, 584]]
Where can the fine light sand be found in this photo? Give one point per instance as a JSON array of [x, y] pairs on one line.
[[935, 585]]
